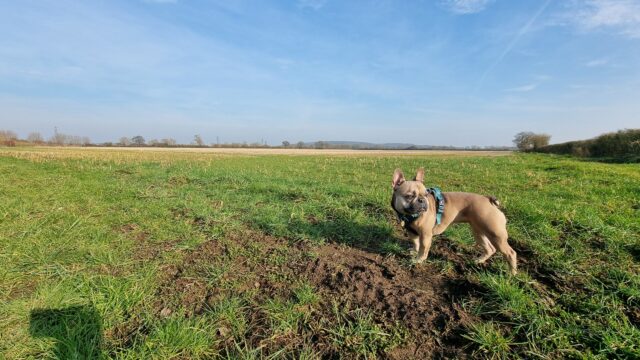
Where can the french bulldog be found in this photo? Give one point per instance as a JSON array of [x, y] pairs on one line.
[[412, 200]]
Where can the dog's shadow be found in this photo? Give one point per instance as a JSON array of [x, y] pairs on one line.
[[77, 330]]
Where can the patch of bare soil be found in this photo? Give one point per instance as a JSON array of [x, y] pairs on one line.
[[123, 335], [145, 249], [634, 251], [417, 298], [634, 316]]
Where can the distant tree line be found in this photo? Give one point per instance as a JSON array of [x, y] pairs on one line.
[[10, 138], [622, 145], [139, 140], [357, 146], [60, 139]]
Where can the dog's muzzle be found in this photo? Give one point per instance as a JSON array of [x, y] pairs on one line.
[[418, 206]]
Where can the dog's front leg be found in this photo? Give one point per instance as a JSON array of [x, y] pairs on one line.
[[425, 245]]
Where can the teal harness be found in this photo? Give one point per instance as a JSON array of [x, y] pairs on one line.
[[437, 194], [435, 191]]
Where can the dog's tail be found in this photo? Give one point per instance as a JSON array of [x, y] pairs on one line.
[[493, 200]]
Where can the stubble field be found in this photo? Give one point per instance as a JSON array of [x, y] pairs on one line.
[[178, 254]]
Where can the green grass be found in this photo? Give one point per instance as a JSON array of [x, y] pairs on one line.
[[75, 283], [356, 332], [490, 341]]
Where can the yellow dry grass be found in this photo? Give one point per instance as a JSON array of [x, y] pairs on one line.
[[117, 154]]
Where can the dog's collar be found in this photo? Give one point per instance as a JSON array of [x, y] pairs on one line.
[[408, 218], [437, 194]]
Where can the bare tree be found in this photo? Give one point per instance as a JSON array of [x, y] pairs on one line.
[[540, 140], [35, 138], [124, 141], [286, 144], [321, 145], [73, 140], [528, 140], [8, 135], [137, 140], [197, 139], [300, 144], [8, 138], [522, 140], [168, 141], [57, 138]]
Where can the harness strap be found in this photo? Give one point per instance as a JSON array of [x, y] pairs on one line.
[[437, 194]]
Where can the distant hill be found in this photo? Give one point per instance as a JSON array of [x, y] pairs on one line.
[[359, 145], [393, 146]]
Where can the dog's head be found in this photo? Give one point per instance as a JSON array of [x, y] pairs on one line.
[[409, 196]]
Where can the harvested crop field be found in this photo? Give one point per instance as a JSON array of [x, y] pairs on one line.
[[305, 151], [173, 254]]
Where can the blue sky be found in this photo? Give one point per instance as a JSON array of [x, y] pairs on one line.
[[442, 72]]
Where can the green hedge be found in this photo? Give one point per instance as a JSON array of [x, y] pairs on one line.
[[621, 144]]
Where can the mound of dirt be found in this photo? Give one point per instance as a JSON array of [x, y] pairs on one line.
[[420, 299]]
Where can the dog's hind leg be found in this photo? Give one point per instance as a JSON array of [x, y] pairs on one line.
[[499, 240], [485, 245]]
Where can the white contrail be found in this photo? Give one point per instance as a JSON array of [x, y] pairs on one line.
[[513, 42]]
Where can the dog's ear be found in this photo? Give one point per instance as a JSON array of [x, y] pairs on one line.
[[398, 178], [419, 175]]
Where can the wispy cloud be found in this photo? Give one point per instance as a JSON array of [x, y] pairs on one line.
[[466, 6], [621, 16], [537, 80], [312, 4], [523, 88], [542, 77], [596, 62]]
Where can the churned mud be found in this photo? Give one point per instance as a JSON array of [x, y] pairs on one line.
[[418, 299], [423, 301]]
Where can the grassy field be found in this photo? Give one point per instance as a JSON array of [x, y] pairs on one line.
[[130, 255]]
